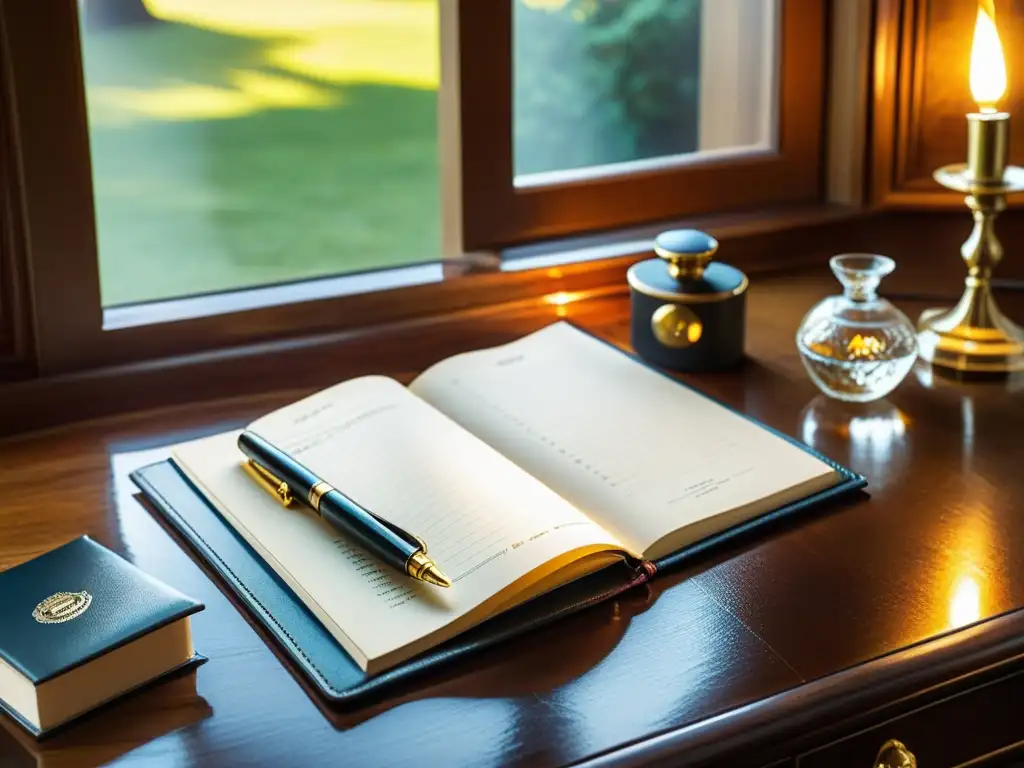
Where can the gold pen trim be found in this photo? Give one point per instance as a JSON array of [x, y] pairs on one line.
[[689, 298], [273, 485], [317, 492]]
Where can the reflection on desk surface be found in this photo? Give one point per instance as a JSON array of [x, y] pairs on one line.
[[936, 544]]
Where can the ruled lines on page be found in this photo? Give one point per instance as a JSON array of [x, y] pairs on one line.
[[628, 446]]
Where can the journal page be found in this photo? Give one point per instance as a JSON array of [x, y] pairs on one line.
[[496, 532], [656, 463]]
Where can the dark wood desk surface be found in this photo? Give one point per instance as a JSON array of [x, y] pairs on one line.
[[935, 547]]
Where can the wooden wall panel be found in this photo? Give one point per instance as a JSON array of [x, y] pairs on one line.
[[16, 349], [922, 94]]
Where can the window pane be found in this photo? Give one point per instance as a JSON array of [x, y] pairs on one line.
[[642, 84], [245, 142]]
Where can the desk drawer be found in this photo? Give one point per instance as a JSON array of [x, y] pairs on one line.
[[950, 732]]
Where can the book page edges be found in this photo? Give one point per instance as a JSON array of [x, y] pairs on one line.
[[103, 678], [531, 584], [350, 646], [557, 572]]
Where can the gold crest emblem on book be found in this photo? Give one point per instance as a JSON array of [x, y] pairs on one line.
[[62, 607]]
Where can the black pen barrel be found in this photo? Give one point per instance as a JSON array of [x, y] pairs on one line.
[[341, 512], [361, 527], [299, 479]]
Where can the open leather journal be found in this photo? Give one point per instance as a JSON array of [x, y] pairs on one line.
[[524, 467]]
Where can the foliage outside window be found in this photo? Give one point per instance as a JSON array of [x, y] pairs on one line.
[[598, 82]]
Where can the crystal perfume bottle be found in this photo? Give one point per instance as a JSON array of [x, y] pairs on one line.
[[857, 347]]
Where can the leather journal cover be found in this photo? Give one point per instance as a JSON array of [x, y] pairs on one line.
[[322, 661], [75, 604]]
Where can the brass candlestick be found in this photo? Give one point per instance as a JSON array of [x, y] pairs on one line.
[[974, 338]]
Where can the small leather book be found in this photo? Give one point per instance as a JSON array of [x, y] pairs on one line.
[[544, 475], [79, 627]]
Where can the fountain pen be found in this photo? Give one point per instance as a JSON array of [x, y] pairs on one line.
[[290, 481]]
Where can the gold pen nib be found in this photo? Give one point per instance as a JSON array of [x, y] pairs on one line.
[[432, 575], [423, 568]]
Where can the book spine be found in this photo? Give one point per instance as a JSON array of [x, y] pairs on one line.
[[642, 574]]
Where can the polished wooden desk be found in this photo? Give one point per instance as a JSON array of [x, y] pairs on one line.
[[814, 642]]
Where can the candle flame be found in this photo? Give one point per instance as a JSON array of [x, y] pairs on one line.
[[988, 68]]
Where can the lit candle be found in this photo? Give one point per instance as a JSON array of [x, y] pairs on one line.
[[988, 131]]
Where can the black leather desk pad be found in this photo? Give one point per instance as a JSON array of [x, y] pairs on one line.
[[323, 662]]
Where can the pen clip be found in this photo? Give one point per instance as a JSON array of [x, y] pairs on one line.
[[415, 541], [277, 487]]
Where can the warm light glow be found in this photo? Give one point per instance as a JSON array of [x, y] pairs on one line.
[[864, 347], [881, 430], [247, 92], [988, 69], [304, 56], [559, 299], [965, 603]]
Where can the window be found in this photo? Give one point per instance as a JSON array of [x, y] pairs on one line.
[[196, 174], [236, 144], [604, 88], [632, 112]]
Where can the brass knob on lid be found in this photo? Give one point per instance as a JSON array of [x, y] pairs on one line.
[[687, 251]]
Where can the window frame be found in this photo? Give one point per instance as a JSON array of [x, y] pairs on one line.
[[15, 334], [496, 214], [52, 231], [54, 171]]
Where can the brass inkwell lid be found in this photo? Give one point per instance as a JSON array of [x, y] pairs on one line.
[[685, 272]]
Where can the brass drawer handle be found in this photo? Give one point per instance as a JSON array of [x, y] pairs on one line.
[[894, 755]]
